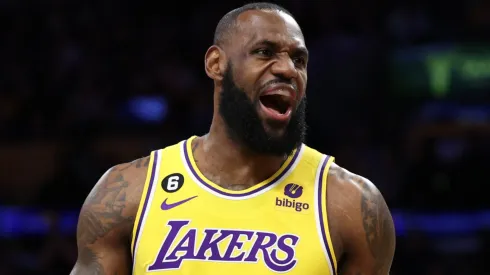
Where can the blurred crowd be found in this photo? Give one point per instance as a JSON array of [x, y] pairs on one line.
[[87, 85]]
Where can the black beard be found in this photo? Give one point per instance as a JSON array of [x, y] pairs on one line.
[[244, 125]]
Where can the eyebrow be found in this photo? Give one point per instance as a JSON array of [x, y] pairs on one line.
[[301, 50]]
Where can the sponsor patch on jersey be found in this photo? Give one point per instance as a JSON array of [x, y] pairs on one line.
[[291, 199]]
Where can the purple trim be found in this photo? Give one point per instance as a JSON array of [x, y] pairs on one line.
[[321, 193], [143, 211], [189, 164]]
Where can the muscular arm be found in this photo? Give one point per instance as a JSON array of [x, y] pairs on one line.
[[363, 224], [106, 221]]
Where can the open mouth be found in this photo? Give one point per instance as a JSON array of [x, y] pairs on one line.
[[276, 102]]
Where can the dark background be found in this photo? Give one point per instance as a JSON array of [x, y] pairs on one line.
[[398, 92]]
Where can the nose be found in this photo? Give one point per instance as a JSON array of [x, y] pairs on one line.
[[283, 67]]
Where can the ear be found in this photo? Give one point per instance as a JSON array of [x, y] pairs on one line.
[[215, 62]]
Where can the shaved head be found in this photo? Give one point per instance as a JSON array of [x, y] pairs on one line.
[[228, 22]]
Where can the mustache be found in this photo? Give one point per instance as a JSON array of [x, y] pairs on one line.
[[280, 81]]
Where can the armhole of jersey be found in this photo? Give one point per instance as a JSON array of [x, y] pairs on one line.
[[144, 201], [322, 216]]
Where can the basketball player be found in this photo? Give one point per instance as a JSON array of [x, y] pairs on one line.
[[248, 197]]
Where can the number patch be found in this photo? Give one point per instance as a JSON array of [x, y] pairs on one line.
[[173, 182]]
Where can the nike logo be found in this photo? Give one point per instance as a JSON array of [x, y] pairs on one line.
[[166, 206]]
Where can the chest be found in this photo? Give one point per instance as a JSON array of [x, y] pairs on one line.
[[275, 231], [189, 225]]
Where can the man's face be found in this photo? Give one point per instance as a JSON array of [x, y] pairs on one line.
[[263, 90]]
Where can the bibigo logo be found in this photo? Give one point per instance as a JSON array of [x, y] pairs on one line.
[[292, 191]]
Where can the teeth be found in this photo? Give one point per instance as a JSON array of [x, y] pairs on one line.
[[281, 92]]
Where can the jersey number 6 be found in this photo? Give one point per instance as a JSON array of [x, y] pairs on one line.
[[173, 182]]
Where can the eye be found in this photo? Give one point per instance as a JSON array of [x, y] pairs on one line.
[[301, 61], [264, 52]]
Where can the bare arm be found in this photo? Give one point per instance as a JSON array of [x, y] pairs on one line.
[[106, 221], [364, 224]]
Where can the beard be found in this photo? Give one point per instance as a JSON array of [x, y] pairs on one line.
[[244, 125]]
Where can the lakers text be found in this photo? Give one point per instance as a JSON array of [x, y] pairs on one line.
[[225, 245]]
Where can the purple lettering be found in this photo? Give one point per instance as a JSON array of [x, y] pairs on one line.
[[159, 263], [264, 240], [209, 244], [224, 245], [235, 243], [186, 245], [290, 261]]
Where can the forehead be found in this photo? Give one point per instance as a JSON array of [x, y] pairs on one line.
[[257, 25]]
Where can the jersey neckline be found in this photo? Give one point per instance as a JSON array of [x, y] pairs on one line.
[[255, 190]]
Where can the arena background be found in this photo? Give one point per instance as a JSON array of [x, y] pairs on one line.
[[398, 91]]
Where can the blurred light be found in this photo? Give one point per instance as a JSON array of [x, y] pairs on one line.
[[445, 71], [17, 222], [148, 108], [461, 113]]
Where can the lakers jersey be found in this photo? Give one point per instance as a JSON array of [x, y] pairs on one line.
[[187, 224]]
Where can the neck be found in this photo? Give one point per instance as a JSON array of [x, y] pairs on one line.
[[227, 163]]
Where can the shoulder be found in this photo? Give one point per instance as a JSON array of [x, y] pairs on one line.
[[345, 182], [113, 202], [358, 212]]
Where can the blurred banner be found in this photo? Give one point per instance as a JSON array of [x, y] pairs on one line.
[[442, 71]]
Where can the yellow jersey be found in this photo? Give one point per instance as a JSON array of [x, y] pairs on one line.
[[187, 224]]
